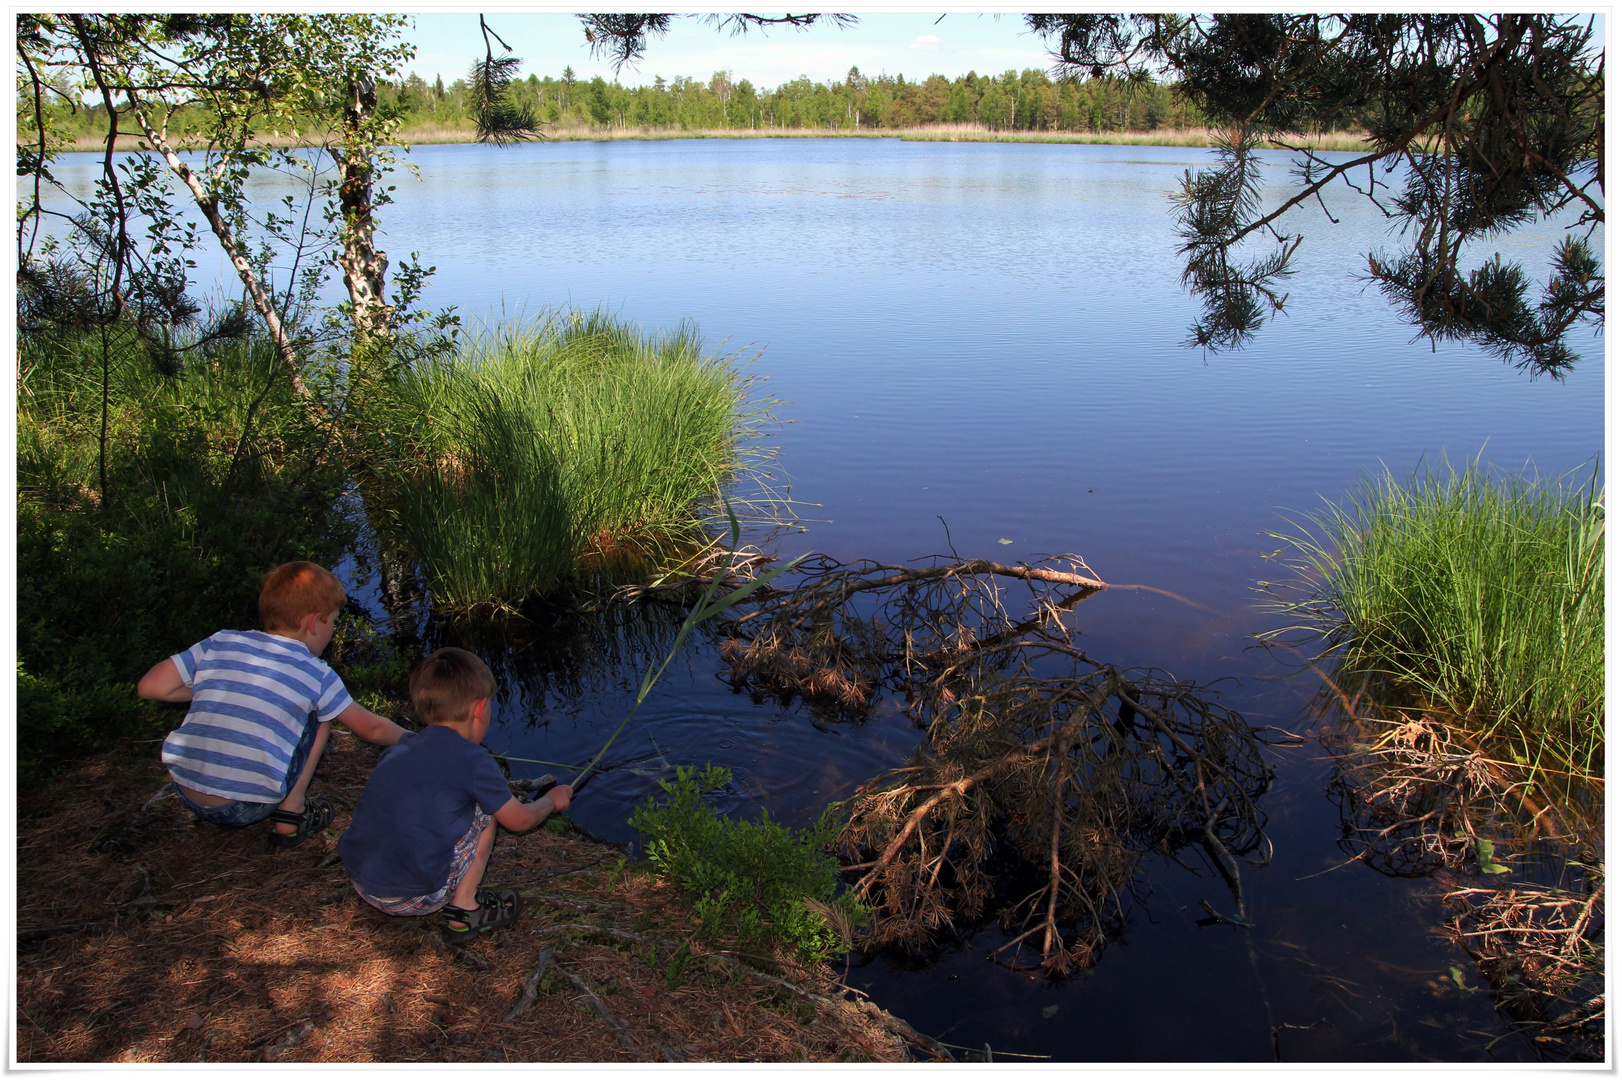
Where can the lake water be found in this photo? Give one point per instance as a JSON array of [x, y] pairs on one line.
[[991, 336]]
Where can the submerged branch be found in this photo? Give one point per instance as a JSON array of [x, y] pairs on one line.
[[1074, 768]]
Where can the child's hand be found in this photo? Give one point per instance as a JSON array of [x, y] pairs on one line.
[[560, 797]]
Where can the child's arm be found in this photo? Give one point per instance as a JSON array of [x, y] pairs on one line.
[[370, 726], [163, 683], [521, 817]]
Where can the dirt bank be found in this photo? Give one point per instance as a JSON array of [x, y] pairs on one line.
[[146, 937]]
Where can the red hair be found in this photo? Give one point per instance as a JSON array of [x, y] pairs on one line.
[[294, 590]]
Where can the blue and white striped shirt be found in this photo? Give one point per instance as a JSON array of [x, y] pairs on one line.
[[252, 696]]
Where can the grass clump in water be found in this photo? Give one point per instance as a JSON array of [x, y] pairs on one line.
[[541, 448], [1480, 595]]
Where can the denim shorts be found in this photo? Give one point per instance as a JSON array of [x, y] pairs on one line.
[[236, 814]]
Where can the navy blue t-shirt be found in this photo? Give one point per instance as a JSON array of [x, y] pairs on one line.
[[417, 804]]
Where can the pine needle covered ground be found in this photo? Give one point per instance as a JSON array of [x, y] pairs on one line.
[[145, 937]]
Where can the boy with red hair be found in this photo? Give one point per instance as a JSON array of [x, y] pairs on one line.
[[261, 701]]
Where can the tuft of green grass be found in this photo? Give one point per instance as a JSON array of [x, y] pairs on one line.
[[544, 447], [1479, 593]]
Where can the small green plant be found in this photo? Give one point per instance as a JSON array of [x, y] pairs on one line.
[[752, 879], [680, 961]]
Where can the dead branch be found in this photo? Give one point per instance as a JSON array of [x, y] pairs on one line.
[[1542, 952], [1034, 749], [1418, 794]]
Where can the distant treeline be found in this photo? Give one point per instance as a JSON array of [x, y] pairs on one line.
[[1027, 100], [1019, 101]]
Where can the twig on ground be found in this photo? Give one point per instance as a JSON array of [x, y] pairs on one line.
[[530, 986], [608, 1018]]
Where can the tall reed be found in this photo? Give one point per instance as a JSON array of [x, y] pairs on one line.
[[1481, 594], [542, 446]]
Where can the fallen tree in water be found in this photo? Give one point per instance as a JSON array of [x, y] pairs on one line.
[[1033, 749]]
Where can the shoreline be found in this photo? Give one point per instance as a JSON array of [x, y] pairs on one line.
[[1181, 137], [154, 923]]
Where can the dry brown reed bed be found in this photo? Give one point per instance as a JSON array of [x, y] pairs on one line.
[[1520, 847], [1032, 748], [144, 937]]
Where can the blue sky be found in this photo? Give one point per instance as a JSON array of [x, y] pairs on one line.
[[911, 45]]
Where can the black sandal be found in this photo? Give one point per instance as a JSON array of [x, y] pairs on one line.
[[317, 815], [495, 910]]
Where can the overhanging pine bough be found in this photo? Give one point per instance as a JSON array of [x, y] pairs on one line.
[[1479, 124]]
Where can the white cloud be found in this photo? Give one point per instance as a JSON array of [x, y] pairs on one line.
[[926, 41]]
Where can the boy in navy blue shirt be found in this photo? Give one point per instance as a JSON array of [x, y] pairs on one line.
[[426, 822]]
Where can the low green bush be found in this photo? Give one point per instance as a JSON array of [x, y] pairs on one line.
[[1480, 594], [747, 878]]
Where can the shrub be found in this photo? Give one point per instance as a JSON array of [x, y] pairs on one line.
[[749, 878], [113, 577]]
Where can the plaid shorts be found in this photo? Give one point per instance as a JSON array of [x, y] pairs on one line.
[[461, 858]]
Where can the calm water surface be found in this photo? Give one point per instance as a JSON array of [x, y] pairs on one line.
[[992, 336]]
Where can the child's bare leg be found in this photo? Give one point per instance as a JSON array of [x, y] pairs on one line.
[[466, 894], [294, 803]]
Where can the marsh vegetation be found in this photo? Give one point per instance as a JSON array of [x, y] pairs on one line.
[[544, 448], [1463, 618], [1480, 595]]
